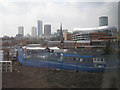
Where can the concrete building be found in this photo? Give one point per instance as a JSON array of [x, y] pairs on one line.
[[97, 35], [21, 30], [81, 36], [34, 31], [87, 37], [47, 29], [100, 33], [40, 28], [103, 32], [103, 21], [68, 36]]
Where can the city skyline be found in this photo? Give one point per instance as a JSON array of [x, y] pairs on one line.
[[72, 15]]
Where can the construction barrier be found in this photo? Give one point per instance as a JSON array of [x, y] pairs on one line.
[[57, 64]]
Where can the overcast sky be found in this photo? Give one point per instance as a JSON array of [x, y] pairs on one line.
[[71, 14]]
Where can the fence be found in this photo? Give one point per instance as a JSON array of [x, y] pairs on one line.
[[58, 64]]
